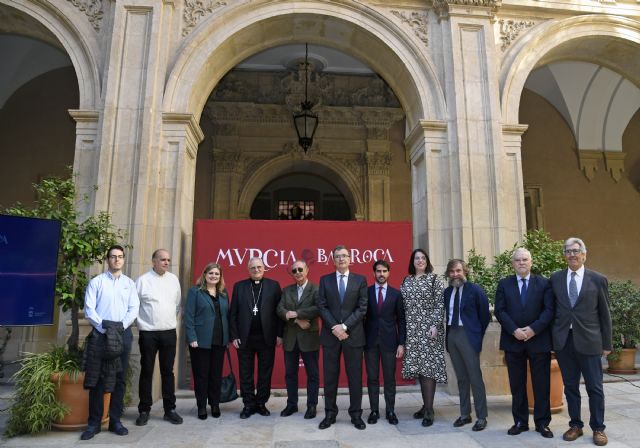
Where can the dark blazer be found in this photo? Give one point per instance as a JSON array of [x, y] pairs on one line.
[[387, 328], [590, 317], [474, 312], [241, 314], [307, 309], [199, 317], [537, 313], [351, 312]]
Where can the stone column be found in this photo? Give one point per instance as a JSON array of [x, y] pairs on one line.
[[228, 174], [85, 163], [378, 185]]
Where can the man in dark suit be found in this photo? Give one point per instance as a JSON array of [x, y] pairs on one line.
[[467, 310], [299, 310], [581, 336], [524, 308], [386, 331], [255, 329], [342, 300]]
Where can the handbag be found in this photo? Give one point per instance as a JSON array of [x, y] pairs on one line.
[[228, 391]]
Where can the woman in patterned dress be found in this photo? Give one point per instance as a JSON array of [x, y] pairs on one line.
[[424, 350]]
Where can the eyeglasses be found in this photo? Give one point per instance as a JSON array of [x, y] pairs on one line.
[[340, 256], [297, 270], [116, 257], [572, 251]]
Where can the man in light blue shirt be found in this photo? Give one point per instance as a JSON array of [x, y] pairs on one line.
[[110, 297]]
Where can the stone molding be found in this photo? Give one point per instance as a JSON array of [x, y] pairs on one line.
[[614, 163], [195, 11], [589, 161], [443, 7], [190, 129], [93, 9], [417, 21], [510, 29], [378, 163], [228, 161]]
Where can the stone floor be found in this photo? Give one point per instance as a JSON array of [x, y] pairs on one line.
[[622, 418]]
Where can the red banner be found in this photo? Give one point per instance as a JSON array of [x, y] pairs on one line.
[[279, 243]]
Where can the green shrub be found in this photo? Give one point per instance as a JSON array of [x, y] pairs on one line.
[[624, 305]]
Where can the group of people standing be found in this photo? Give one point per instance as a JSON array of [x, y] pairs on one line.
[[377, 323]]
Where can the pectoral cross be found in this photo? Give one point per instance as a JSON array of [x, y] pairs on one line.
[[255, 310]]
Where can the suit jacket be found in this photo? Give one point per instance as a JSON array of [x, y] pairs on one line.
[[474, 312], [537, 313], [351, 312], [590, 318], [387, 327], [307, 309], [199, 317], [241, 311]]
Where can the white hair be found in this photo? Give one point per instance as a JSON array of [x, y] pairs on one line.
[[573, 240]]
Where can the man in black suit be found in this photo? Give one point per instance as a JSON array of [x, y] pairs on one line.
[[581, 336], [255, 330], [467, 314], [342, 300], [386, 331], [524, 308]]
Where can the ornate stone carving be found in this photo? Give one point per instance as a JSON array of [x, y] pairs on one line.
[[417, 21], [378, 163], [93, 9], [196, 10], [510, 30], [227, 161], [441, 7], [589, 161], [614, 163]]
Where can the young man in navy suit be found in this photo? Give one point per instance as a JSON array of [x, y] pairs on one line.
[[386, 331], [342, 300], [468, 317], [524, 308]]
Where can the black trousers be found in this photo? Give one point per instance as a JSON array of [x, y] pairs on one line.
[[258, 393], [331, 367], [96, 395], [291, 364], [206, 364], [162, 343], [572, 365], [373, 357], [540, 365]]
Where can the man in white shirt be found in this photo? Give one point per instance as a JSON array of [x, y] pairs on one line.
[[159, 292]]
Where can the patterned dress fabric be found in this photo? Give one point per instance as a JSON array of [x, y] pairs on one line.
[[424, 308]]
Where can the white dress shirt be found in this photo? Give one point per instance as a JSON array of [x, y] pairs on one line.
[[579, 278], [451, 299], [111, 298], [160, 297]]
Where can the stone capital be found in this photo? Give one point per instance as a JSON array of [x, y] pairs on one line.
[[614, 163], [485, 8], [378, 163], [589, 161]]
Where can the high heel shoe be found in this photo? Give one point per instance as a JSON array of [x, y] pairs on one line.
[[428, 418], [419, 413]]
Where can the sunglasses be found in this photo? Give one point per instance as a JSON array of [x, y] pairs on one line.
[[296, 270]]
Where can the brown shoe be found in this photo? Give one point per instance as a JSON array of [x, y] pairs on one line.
[[572, 434], [600, 438]]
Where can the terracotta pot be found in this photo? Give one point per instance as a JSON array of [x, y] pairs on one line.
[[625, 364], [557, 388], [76, 398]]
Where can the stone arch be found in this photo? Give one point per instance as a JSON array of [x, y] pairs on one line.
[[334, 171], [233, 34], [524, 56], [78, 39]]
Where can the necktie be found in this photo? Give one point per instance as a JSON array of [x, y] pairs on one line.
[[523, 292], [341, 288], [456, 309], [300, 291], [573, 290], [380, 299]]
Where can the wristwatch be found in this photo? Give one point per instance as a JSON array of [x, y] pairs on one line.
[[344, 327]]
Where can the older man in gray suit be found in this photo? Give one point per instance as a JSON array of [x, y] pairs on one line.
[[581, 336]]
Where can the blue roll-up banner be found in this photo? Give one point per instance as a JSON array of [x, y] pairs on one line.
[[28, 263]]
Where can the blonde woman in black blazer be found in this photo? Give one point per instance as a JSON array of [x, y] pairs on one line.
[[206, 321]]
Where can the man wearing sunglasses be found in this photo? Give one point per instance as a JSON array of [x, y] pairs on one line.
[[298, 308]]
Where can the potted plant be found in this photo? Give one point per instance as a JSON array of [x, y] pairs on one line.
[[624, 306], [83, 242]]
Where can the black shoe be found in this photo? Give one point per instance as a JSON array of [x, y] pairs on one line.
[[358, 423], [311, 412], [326, 422], [118, 428], [391, 418], [373, 417], [246, 412], [215, 411], [480, 424], [517, 429], [89, 432], [202, 413], [289, 410], [428, 419], [545, 432], [262, 410], [172, 416], [461, 421], [419, 413], [142, 419]]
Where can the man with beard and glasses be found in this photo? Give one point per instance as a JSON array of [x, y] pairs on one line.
[[467, 315], [255, 329]]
